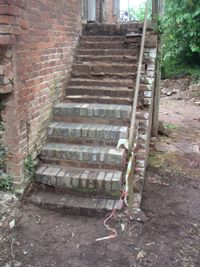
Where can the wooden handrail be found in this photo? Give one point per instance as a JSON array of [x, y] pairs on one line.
[[137, 86], [134, 110]]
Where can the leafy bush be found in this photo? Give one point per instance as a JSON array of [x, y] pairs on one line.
[[181, 35]]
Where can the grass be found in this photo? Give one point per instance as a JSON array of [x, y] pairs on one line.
[[173, 162], [170, 126]]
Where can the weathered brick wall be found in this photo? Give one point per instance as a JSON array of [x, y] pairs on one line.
[[39, 37], [108, 16]]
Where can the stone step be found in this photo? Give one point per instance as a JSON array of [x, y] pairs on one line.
[[102, 182], [99, 99], [101, 67], [100, 91], [98, 87], [66, 111], [101, 134], [83, 156], [104, 82], [123, 59], [75, 204], [108, 45], [110, 29], [109, 52], [102, 38], [104, 75]]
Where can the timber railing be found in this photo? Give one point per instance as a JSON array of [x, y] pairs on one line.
[[131, 140]]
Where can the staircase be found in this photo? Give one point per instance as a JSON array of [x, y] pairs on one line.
[[80, 160]]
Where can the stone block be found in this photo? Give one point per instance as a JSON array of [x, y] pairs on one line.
[[116, 181], [60, 178], [100, 179], [108, 180]]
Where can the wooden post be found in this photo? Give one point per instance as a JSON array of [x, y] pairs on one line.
[[160, 9], [84, 10], [157, 8], [154, 8], [116, 9], [156, 103]]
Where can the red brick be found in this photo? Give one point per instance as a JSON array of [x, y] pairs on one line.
[[48, 34], [7, 39], [10, 10], [7, 20]]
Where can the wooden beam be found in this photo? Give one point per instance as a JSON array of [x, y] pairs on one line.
[[157, 8], [154, 9], [160, 7], [155, 121], [156, 103]]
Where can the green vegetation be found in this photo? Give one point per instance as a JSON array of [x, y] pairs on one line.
[[2, 157], [181, 38], [170, 126], [29, 168], [156, 160], [6, 182], [138, 14]]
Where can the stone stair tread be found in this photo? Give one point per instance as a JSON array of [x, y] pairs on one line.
[[113, 64], [80, 179], [85, 97], [104, 88], [96, 110], [78, 105], [102, 80], [116, 75], [121, 57], [107, 51], [133, 34], [83, 148], [102, 38], [103, 45], [73, 204], [84, 154], [87, 41], [87, 130]]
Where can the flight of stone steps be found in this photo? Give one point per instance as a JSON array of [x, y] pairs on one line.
[[80, 159]]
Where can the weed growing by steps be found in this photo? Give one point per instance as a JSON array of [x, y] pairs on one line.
[[29, 168], [6, 182]]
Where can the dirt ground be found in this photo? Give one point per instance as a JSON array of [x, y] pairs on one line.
[[170, 237]]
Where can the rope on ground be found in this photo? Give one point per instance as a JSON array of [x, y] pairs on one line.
[[124, 195]]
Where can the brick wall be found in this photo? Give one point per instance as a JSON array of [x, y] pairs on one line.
[[37, 42], [108, 16]]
